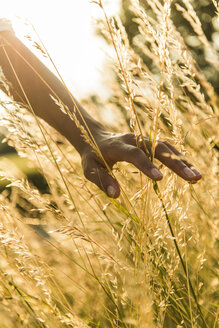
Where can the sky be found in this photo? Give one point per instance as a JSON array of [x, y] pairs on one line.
[[67, 30]]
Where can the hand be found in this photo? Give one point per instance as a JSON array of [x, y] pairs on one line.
[[122, 147]]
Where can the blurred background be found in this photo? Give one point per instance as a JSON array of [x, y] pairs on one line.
[[68, 30], [210, 24]]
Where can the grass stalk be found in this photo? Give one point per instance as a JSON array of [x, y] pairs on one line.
[[158, 193]]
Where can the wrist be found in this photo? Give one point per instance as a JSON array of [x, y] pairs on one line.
[[83, 131], [90, 137]]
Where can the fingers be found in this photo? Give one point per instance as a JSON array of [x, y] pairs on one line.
[[99, 175], [139, 159], [169, 156], [198, 175], [172, 159], [124, 149]]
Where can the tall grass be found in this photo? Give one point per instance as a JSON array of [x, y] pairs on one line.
[[71, 257]]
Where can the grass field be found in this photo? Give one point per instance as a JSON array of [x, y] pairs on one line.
[[72, 257]]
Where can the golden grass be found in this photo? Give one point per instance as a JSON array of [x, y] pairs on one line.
[[75, 258]]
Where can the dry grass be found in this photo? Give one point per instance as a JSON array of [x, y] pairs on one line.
[[74, 258]]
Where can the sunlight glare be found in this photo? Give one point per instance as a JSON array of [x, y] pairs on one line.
[[66, 29]]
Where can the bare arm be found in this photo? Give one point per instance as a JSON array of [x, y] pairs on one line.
[[37, 82]]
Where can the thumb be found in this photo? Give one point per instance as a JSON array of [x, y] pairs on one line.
[[99, 175]]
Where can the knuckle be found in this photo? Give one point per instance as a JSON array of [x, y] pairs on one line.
[[160, 148], [128, 138], [90, 173], [136, 152]]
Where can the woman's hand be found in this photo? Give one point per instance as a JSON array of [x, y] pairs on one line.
[[122, 147]]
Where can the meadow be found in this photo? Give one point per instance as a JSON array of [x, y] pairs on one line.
[[72, 257]]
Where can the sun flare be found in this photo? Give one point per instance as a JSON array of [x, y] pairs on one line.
[[67, 29]]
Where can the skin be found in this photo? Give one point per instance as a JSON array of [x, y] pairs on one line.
[[38, 82]]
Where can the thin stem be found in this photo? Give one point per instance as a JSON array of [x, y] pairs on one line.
[[158, 193]]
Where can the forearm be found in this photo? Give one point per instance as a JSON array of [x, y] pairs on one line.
[[32, 83]]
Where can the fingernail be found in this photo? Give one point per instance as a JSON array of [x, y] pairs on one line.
[[197, 173], [188, 173], [156, 174], [111, 191]]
